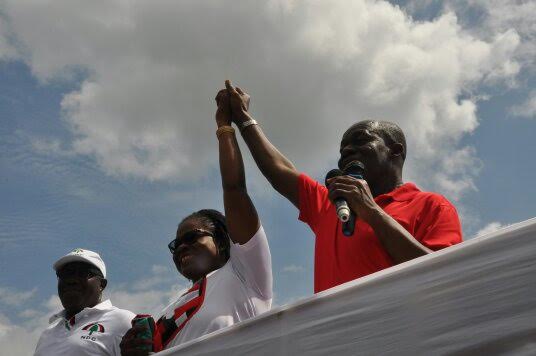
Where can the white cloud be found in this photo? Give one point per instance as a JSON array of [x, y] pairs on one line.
[[12, 297], [53, 304], [488, 18], [49, 146], [293, 269], [489, 228], [19, 337], [526, 109], [497, 16], [151, 300], [456, 171], [16, 339], [151, 293], [7, 50], [161, 275], [29, 313], [159, 269], [313, 68]]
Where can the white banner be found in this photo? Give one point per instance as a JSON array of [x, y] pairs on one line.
[[476, 298]]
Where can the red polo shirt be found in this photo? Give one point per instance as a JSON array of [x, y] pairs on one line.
[[429, 217]]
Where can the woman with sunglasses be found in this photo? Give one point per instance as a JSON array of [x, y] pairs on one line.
[[227, 259]]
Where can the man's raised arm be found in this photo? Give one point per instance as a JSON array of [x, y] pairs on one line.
[[279, 171]]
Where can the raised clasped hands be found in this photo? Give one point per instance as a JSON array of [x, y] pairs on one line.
[[357, 194], [233, 105]]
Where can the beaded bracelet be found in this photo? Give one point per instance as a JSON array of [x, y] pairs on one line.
[[223, 129]]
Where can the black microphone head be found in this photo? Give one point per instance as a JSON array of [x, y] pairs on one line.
[[355, 168], [333, 173]]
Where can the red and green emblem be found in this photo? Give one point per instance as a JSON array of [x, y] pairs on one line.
[[94, 327]]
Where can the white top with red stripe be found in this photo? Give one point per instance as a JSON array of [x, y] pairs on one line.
[[239, 290], [93, 331]]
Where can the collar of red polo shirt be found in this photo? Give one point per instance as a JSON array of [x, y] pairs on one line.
[[405, 192]]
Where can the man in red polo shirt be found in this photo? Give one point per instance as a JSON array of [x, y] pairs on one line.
[[396, 222]]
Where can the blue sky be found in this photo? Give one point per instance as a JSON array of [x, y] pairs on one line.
[[107, 134]]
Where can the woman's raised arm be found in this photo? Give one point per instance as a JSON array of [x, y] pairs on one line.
[[241, 216]]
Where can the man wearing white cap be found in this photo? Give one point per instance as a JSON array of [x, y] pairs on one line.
[[87, 325]]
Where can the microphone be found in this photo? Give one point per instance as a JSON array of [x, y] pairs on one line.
[[343, 211], [354, 169]]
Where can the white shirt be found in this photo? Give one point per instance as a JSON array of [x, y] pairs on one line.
[[93, 331], [239, 290]]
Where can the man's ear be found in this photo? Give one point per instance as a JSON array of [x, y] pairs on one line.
[[397, 150], [103, 283]]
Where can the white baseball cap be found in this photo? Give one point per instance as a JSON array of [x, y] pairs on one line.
[[81, 255]]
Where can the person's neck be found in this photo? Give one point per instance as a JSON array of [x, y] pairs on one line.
[[219, 265], [386, 185], [197, 280], [70, 313]]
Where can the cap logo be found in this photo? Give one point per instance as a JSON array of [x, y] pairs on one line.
[[78, 251]]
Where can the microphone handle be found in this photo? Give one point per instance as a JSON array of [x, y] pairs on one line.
[[348, 227], [343, 210]]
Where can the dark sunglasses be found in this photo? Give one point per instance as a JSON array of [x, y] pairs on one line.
[[79, 272], [188, 238]]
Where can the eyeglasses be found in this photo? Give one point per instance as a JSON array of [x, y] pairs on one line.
[[188, 238], [78, 272]]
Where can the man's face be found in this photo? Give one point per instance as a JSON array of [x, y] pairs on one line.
[[79, 286], [361, 143]]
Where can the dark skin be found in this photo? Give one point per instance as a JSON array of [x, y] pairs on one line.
[[77, 292], [200, 258], [241, 215], [383, 162], [195, 261]]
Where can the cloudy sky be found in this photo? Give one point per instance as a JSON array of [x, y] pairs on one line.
[[107, 131]]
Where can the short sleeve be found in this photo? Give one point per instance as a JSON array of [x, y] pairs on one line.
[[440, 227], [313, 200], [253, 262]]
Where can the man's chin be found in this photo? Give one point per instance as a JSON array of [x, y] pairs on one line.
[[71, 300]]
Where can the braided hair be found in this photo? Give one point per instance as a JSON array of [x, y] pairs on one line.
[[215, 221]]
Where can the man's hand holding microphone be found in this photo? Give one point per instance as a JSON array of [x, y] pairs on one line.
[[348, 188]]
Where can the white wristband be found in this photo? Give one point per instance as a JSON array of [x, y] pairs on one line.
[[245, 124]]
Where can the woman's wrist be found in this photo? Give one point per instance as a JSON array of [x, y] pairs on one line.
[[224, 130], [223, 123]]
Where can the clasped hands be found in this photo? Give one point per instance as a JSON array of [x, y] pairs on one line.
[[233, 105]]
